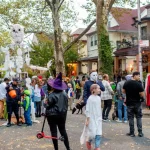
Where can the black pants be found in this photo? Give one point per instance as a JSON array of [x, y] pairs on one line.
[[13, 107], [38, 108], [107, 108], [136, 111], [78, 93], [58, 121]]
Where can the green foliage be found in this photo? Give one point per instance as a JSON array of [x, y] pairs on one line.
[[42, 53], [34, 15], [105, 53], [4, 38]]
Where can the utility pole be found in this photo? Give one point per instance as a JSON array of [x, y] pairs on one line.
[[139, 38]]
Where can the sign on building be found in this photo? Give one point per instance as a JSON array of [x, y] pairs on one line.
[[144, 43]]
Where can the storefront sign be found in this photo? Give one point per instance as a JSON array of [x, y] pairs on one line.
[[144, 43]]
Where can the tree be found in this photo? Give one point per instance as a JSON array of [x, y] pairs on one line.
[[102, 10], [42, 53], [36, 17]]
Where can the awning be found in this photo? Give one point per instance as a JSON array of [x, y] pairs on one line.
[[131, 51], [38, 68], [88, 58]]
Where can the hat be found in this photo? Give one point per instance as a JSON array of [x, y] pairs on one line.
[[57, 83], [16, 79], [27, 92]]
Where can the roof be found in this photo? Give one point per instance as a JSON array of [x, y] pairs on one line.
[[78, 31], [133, 51], [124, 17], [88, 58]]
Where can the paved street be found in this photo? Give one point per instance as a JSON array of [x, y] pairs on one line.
[[24, 138]]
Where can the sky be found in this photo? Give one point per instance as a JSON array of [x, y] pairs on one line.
[[82, 13]]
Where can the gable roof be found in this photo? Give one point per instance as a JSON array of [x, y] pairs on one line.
[[125, 19], [79, 31]]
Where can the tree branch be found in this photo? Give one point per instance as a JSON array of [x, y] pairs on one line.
[[60, 4], [95, 2], [44, 7], [77, 39], [110, 5], [40, 32], [49, 4]]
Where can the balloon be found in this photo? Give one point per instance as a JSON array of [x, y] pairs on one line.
[[28, 80]]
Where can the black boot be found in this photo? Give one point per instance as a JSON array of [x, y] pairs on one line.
[[8, 124], [130, 134], [140, 134]]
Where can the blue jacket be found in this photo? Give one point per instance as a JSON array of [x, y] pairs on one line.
[[87, 92]]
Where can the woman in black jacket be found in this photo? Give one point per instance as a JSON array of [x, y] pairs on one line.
[[56, 110]]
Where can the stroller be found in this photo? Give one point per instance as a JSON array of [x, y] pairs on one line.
[[115, 113]]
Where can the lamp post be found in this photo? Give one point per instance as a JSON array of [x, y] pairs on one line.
[[139, 38]]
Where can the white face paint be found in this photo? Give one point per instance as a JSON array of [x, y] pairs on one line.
[[93, 76], [17, 33]]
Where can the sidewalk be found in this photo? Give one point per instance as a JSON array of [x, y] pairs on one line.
[[146, 111]]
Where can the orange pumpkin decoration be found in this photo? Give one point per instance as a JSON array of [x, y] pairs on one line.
[[12, 94]]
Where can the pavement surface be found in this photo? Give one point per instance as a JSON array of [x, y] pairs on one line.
[[114, 136]]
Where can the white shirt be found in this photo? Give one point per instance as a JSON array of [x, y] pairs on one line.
[[107, 94], [94, 112], [2, 90], [37, 91]]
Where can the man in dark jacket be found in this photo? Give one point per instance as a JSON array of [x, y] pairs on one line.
[[87, 85], [12, 102]]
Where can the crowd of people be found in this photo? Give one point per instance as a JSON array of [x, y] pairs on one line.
[[54, 96]]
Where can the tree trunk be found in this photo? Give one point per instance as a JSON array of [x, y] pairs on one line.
[[102, 14], [58, 53]]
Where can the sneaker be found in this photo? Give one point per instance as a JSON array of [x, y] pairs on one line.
[[130, 134], [140, 134], [125, 121], [8, 124], [104, 120], [119, 121], [19, 124]]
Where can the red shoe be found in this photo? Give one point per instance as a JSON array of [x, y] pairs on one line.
[[88, 145], [97, 148]]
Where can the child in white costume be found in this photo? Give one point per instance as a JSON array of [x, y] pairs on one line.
[[94, 118]]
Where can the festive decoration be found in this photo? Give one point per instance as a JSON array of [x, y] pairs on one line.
[[17, 53]]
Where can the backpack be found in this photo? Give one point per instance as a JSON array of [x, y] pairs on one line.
[[77, 85]]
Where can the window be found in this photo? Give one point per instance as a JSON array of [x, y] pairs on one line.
[[144, 33], [95, 40], [92, 41]]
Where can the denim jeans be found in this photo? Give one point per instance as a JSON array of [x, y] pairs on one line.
[[97, 141], [27, 116], [135, 110], [120, 106]]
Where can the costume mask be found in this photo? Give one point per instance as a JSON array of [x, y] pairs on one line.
[[17, 33], [93, 76]]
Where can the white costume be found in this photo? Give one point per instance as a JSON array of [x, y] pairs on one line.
[[28, 82], [94, 112]]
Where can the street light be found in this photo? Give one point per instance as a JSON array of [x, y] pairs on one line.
[[139, 38]]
